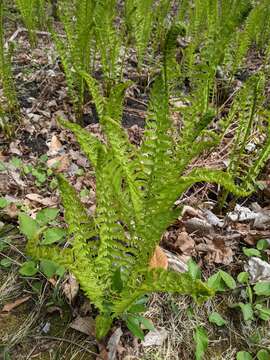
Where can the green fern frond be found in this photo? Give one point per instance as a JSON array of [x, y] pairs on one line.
[[6, 75], [139, 19], [95, 92], [88, 142], [160, 280], [108, 39], [27, 9], [213, 176], [82, 228]]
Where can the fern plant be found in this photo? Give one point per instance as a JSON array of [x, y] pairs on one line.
[[75, 50], [136, 189], [92, 40], [9, 109], [28, 10], [251, 118]]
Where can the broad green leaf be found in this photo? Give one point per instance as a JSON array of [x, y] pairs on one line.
[[43, 158], [29, 268], [243, 277], [47, 215], [117, 283], [249, 293], [201, 340], [3, 202], [40, 175], [28, 226], [147, 324], [133, 325], [251, 252], [215, 282], [262, 288], [263, 355], [194, 270], [16, 162], [247, 311], [48, 268], [263, 312], [243, 355], [53, 235], [137, 308], [6, 263], [216, 318], [103, 325], [60, 271], [262, 244], [221, 280], [228, 279]]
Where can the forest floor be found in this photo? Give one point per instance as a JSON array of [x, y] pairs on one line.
[[47, 319]]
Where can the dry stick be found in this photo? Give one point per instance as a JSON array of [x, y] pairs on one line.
[[21, 30], [67, 341]]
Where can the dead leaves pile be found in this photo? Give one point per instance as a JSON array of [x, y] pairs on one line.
[[212, 239]]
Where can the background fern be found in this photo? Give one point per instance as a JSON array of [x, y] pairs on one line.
[[9, 110]]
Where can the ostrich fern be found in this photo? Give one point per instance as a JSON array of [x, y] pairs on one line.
[[10, 108], [136, 189], [32, 13], [75, 50]]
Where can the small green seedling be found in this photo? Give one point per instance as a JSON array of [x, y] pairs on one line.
[[201, 340], [251, 252], [217, 319], [5, 263], [3, 202], [221, 281], [243, 355]]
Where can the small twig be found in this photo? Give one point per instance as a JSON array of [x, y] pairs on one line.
[[22, 30], [54, 338]]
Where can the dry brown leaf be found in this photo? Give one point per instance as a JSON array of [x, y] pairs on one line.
[[41, 200], [219, 252], [70, 288], [159, 259], [155, 338], [59, 163], [10, 306], [198, 226], [16, 177], [113, 344], [14, 148], [55, 146], [85, 325], [11, 210], [185, 243]]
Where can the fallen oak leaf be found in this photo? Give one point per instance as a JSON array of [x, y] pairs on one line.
[[70, 288], [159, 259], [185, 242], [10, 306], [59, 163], [85, 325], [55, 146], [41, 200]]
